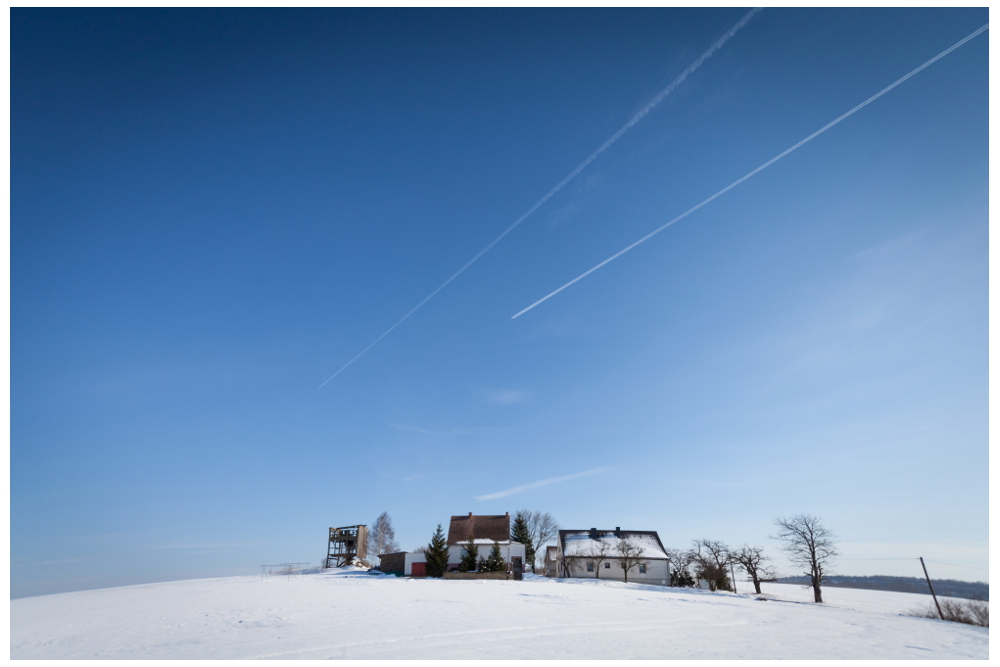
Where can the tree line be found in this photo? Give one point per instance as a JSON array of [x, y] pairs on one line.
[[804, 539], [972, 590]]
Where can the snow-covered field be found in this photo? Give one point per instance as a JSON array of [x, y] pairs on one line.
[[337, 614]]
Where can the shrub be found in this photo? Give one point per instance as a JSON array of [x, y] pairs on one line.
[[681, 577], [972, 612]]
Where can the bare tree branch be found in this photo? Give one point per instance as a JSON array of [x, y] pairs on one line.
[[810, 545], [680, 562], [753, 561], [599, 552], [711, 560], [382, 537], [542, 528], [629, 556]]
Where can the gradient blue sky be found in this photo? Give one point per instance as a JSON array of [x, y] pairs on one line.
[[214, 210]]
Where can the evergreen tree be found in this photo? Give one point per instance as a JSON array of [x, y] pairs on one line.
[[681, 577], [520, 532], [437, 554], [495, 563], [469, 556]]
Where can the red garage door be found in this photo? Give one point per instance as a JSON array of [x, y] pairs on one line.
[[419, 570]]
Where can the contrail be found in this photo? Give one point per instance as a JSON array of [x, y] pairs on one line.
[[573, 174], [538, 484], [758, 169]]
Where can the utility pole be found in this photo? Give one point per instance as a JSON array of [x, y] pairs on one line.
[[933, 594], [733, 570]]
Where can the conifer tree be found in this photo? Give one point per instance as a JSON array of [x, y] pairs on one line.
[[520, 532], [469, 557], [437, 554], [495, 562]]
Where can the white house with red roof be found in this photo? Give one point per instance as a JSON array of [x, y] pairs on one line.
[[485, 531]]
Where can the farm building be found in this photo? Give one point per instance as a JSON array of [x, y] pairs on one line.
[[605, 554], [551, 561]]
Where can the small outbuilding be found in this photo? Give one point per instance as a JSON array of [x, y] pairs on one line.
[[394, 563], [551, 561]]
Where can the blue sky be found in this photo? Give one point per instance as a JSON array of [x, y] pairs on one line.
[[212, 211]]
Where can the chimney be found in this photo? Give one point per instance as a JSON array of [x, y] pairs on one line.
[[507, 514], [470, 515], [593, 533], [618, 531]]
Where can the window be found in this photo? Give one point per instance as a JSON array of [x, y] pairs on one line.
[[607, 566], [642, 569], [590, 567]]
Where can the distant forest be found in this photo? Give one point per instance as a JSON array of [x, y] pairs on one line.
[[973, 590]]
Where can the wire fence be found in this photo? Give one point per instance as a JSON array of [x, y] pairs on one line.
[[287, 569]]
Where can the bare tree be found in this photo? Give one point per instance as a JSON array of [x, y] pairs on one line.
[[629, 556], [382, 537], [570, 564], [542, 528], [680, 562], [754, 562], [711, 560], [599, 553], [808, 544]]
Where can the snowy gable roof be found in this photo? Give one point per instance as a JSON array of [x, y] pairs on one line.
[[482, 540], [577, 543]]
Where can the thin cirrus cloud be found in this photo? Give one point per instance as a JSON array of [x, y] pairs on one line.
[[425, 431], [508, 397], [62, 561], [540, 483], [227, 546]]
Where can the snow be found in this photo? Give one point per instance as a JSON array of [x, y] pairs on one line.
[[484, 541], [580, 544], [353, 614]]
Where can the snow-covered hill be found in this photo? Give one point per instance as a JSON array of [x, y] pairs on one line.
[[337, 614]]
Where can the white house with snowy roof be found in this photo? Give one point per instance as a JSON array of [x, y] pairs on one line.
[[484, 530], [634, 555]]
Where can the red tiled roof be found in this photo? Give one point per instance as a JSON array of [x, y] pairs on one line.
[[481, 527]]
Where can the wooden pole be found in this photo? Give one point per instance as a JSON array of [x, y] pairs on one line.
[[733, 571], [931, 587]]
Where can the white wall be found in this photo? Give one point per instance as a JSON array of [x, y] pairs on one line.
[[657, 571], [455, 555], [411, 558], [509, 551]]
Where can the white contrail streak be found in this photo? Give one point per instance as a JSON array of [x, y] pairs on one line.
[[538, 484], [757, 170], [573, 174]]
